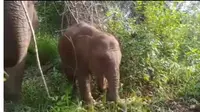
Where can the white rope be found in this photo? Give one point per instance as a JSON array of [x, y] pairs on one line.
[[36, 49]]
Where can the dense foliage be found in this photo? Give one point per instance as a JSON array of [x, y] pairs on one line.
[[162, 53], [160, 63]]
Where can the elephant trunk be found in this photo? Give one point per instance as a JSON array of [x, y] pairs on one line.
[[17, 33]]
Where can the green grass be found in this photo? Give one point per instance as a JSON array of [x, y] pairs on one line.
[[134, 100], [35, 98]]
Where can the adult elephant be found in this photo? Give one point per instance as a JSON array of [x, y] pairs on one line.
[[17, 37], [85, 50]]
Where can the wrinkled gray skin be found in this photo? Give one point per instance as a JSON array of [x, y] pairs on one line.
[[97, 53], [17, 37]]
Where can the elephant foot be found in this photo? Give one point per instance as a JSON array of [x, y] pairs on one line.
[[90, 106], [89, 101], [110, 97]]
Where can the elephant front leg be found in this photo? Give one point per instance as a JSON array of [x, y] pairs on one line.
[[12, 86], [84, 86], [113, 85]]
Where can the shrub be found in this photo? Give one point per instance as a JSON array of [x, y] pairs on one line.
[[47, 49], [161, 54]]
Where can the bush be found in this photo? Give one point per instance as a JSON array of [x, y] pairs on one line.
[[47, 49], [161, 54]]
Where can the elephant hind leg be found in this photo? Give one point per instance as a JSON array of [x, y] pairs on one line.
[[101, 83]]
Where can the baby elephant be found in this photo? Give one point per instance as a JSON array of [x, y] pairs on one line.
[[85, 50]]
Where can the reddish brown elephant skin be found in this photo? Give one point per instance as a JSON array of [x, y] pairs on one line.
[[96, 52], [17, 37]]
